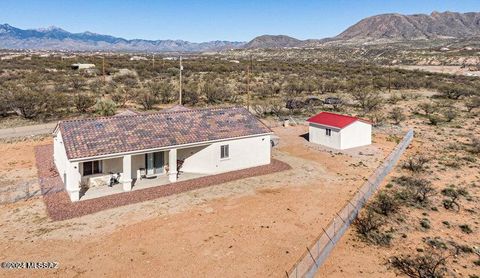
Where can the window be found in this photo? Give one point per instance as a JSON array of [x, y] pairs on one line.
[[224, 151], [328, 132], [92, 167]]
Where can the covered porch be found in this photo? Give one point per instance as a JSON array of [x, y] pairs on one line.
[[101, 177], [102, 191]]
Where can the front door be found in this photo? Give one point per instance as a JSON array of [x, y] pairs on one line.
[[154, 163]]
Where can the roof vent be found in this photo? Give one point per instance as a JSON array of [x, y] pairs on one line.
[[99, 125]]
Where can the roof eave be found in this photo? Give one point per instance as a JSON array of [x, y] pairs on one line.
[[111, 155]]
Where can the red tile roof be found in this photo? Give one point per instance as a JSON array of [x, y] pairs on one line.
[[109, 135], [334, 120]]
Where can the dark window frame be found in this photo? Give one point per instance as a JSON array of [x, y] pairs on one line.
[[92, 167], [224, 151], [328, 131]]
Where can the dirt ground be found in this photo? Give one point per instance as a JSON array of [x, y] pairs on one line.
[[255, 227], [450, 164]]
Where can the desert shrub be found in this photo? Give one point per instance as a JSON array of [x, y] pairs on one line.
[[190, 94], [427, 107], [367, 100], [385, 204], [77, 83], [450, 113], [394, 98], [130, 80], [425, 223], [453, 195], [475, 146], [472, 103], [368, 226], [378, 118], [146, 99], [215, 91], [163, 91], [430, 264], [465, 228], [83, 102], [260, 108], [276, 107], [38, 103], [416, 190], [105, 107], [121, 95], [436, 243], [454, 91], [397, 115], [433, 119], [416, 163], [4, 103]]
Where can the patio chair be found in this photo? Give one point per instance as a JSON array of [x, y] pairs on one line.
[[179, 167]]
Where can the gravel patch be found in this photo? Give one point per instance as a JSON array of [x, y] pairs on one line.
[[59, 206]]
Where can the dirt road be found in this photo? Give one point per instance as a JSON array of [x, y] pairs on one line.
[[25, 131]]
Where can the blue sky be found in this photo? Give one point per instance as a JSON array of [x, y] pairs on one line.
[[212, 20]]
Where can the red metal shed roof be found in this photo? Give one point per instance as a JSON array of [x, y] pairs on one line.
[[334, 120]]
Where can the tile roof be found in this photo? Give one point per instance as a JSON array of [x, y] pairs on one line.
[[109, 135], [334, 120]]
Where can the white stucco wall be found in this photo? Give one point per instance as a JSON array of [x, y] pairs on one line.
[[60, 155], [356, 134], [243, 153], [317, 135]]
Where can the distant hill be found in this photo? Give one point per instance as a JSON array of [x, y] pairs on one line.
[[273, 41], [379, 28], [411, 27], [54, 38]]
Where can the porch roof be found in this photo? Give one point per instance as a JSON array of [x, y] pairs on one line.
[[86, 138]]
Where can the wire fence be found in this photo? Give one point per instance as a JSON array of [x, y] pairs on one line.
[[15, 192], [316, 254]]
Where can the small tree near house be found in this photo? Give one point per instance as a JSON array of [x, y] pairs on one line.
[[83, 102]]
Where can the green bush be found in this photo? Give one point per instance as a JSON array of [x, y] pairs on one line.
[[105, 107]]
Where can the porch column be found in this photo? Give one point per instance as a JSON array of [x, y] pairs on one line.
[[172, 165], [73, 178], [126, 177]]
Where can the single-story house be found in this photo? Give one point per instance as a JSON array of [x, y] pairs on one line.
[[204, 141], [80, 66], [339, 131]]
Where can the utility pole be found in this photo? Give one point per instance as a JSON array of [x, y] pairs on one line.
[[103, 69], [249, 69], [389, 78], [180, 95]]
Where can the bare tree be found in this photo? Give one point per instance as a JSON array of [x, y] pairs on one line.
[[368, 100], [83, 102], [430, 264]]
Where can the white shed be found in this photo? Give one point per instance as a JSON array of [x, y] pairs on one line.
[[339, 131]]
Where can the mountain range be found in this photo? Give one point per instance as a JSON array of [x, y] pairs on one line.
[[380, 27], [54, 38]]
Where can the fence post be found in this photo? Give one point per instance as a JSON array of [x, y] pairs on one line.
[[360, 198], [312, 257]]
